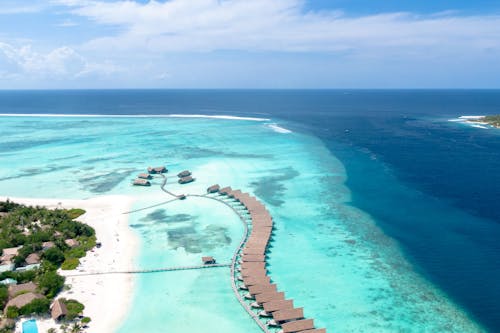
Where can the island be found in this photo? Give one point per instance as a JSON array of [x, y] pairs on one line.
[[492, 120], [35, 244]]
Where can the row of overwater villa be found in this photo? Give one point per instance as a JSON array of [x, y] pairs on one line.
[[251, 282]]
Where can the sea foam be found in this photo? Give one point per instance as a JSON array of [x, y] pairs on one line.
[[278, 129]]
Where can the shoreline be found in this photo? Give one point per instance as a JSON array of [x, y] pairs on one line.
[[107, 298]]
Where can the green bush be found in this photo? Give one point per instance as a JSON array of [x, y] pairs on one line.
[[4, 295], [50, 283], [37, 306], [74, 308], [86, 320], [54, 255], [70, 263], [75, 212], [12, 312]]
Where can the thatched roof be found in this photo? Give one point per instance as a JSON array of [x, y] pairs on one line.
[[144, 176], [225, 190], [270, 296], [250, 281], [288, 314], [11, 251], [141, 182], [208, 260], [160, 169], [185, 180], [213, 189], [72, 242], [261, 288], [298, 326], [48, 245], [184, 173], [23, 287], [278, 305], [32, 259], [315, 330], [22, 300], [58, 309]]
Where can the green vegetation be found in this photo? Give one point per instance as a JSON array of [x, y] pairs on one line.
[[50, 283], [4, 296], [74, 308], [44, 232], [493, 120], [75, 213], [86, 320], [37, 306], [70, 263]]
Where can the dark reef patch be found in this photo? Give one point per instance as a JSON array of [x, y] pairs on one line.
[[104, 183], [271, 188]]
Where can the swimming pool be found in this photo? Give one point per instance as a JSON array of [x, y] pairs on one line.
[[29, 326]]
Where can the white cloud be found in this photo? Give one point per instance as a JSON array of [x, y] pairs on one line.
[[60, 63], [281, 25], [7, 9]]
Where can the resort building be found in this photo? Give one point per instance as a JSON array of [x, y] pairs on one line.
[[8, 282], [208, 260], [58, 310], [32, 259], [184, 173], [22, 300], [72, 242], [141, 182], [47, 245], [156, 170], [213, 189], [144, 176], [186, 180], [9, 253], [15, 290]]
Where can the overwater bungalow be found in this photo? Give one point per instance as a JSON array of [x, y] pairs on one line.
[[184, 173], [282, 316], [185, 180], [278, 305], [225, 190], [270, 296], [297, 326], [213, 189], [261, 288], [156, 170], [144, 176], [58, 310], [141, 182], [208, 260], [250, 281]]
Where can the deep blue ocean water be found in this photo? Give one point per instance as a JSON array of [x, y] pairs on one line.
[[431, 184]]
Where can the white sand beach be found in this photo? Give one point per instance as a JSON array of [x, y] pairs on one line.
[[107, 298]]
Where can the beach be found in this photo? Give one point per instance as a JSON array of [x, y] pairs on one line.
[[107, 298]]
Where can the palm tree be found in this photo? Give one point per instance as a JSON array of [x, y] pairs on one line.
[[75, 328]]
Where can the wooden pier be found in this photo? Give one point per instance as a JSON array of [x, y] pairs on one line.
[[156, 270]]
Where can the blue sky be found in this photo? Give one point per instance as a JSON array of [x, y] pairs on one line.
[[249, 44]]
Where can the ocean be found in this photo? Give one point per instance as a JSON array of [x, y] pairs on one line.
[[386, 211]]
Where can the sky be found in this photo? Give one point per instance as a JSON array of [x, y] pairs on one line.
[[287, 44]]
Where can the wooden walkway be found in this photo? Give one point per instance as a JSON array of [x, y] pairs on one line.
[[156, 270]]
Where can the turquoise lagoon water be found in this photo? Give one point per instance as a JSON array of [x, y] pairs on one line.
[[328, 256], [29, 326]]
